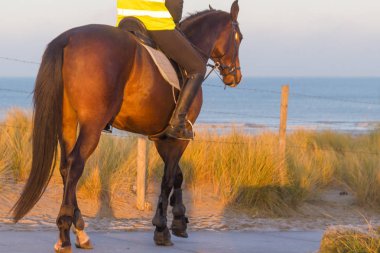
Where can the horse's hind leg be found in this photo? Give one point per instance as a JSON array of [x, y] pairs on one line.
[[67, 141], [82, 240], [71, 172], [170, 151], [179, 223]]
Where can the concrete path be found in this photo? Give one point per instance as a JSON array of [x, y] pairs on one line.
[[199, 242]]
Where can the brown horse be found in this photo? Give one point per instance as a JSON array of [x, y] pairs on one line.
[[93, 74]]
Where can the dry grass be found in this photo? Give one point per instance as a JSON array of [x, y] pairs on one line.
[[110, 170], [350, 239], [319, 159], [5, 174], [15, 145], [241, 169]]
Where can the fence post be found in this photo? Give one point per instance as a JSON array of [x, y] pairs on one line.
[[141, 172], [282, 135]]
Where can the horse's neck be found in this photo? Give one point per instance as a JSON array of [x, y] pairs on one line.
[[205, 31]]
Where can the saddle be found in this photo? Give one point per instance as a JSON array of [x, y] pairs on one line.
[[137, 28], [169, 69]]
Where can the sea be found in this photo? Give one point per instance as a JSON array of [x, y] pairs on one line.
[[339, 104]]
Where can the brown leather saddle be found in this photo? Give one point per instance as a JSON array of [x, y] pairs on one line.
[[137, 28]]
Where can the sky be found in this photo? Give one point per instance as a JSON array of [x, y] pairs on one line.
[[292, 38]]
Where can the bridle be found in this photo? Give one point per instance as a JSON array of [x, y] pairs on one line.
[[225, 69]]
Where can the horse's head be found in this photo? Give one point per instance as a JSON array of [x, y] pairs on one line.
[[216, 34], [225, 53]]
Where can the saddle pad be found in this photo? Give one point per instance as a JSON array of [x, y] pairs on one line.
[[166, 69]]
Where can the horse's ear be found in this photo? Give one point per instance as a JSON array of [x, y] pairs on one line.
[[235, 10], [211, 9]]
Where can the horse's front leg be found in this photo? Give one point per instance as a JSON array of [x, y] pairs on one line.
[[170, 151], [161, 234], [179, 223]]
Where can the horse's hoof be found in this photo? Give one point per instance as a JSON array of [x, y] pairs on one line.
[[162, 238], [85, 245], [179, 227], [59, 249], [178, 233], [83, 240]]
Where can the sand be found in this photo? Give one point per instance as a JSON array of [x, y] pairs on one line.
[[206, 213]]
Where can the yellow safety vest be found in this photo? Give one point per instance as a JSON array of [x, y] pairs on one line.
[[153, 13]]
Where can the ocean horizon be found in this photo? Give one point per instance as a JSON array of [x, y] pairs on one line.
[[320, 103]]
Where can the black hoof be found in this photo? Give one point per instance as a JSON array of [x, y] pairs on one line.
[[162, 238], [182, 234], [179, 227]]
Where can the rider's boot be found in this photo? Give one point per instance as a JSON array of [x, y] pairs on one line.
[[177, 124]]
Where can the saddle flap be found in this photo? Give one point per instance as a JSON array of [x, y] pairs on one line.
[[164, 66]]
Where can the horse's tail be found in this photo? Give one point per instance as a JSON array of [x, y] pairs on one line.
[[47, 126]]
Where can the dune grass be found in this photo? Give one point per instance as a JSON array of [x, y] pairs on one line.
[[110, 170], [241, 169], [15, 144], [350, 239], [320, 159]]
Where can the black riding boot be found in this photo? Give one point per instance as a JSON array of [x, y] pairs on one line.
[[177, 124]]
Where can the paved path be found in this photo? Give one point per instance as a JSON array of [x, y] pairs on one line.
[[199, 242]]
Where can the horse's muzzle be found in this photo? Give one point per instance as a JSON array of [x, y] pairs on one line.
[[232, 80]]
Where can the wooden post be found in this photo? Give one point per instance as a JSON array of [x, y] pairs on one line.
[[141, 172], [282, 134]]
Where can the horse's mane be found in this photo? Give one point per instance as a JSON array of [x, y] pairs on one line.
[[199, 14], [210, 18]]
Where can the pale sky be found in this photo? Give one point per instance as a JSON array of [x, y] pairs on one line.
[[281, 37]]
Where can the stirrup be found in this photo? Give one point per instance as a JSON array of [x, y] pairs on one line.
[[163, 134], [157, 137], [179, 133]]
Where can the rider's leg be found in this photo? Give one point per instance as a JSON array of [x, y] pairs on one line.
[[178, 48]]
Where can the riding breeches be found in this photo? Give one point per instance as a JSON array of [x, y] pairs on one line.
[[176, 46]]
